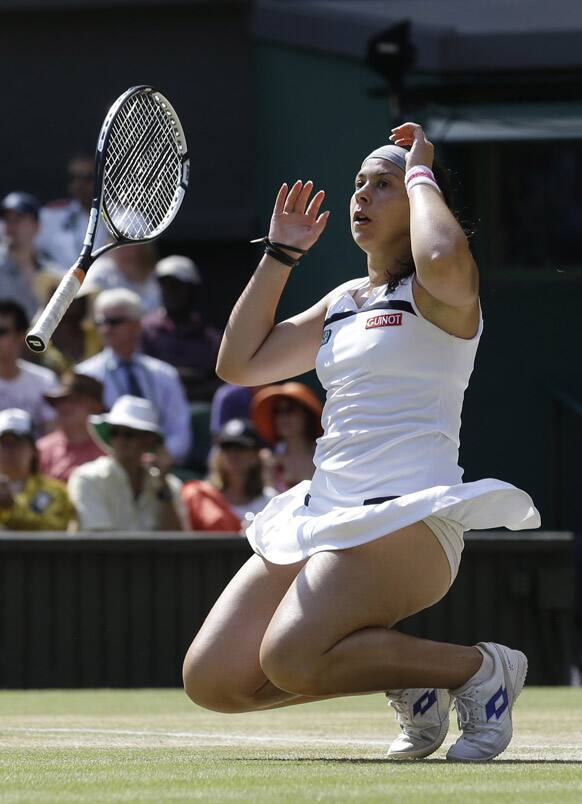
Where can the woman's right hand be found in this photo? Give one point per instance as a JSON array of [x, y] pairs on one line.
[[294, 222]]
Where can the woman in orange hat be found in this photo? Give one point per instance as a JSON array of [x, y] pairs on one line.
[[377, 534], [288, 416]]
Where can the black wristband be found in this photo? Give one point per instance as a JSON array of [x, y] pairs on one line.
[[284, 245], [280, 256], [275, 250]]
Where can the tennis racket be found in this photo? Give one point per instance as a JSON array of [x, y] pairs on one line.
[[141, 175]]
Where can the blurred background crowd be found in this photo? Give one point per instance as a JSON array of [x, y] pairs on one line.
[[273, 90], [496, 85], [122, 424]]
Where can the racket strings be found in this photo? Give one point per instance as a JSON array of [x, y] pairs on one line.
[[143, 168], [143, 198], [151, 149]]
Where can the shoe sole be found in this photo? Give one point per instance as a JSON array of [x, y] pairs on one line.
[[515, 687], [421, 753]]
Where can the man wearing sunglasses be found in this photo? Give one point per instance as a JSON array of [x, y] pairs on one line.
[[130, 488], [63, 222], [123, 369]]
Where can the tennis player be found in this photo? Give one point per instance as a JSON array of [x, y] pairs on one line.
[[377, 534]]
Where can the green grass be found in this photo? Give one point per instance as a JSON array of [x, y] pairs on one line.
[[154, 746]]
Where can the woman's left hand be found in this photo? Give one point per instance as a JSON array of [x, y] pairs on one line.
[[412, 135]]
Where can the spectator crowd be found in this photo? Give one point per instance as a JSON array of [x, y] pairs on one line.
[[122, 424]]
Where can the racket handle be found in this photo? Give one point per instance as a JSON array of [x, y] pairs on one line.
[[40, 334]]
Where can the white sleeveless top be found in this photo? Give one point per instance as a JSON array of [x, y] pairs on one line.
[[389, 453], [395, 385]]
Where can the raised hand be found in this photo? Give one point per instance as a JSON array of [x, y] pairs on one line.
[[412, 135], [295, 222]]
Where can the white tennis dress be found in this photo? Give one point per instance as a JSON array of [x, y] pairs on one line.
[[389, 453]]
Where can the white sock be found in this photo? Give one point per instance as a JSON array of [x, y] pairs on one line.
[[482, 674]]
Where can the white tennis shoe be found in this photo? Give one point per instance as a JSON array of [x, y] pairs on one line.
[[423, 716], [485, 702]]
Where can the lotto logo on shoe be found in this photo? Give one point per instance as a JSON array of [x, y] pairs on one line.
[[384, 320], [497, 704], [424, 703]]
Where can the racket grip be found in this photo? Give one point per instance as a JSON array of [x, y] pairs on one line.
[[38, 337]]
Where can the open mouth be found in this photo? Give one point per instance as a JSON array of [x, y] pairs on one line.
[[360, 219]]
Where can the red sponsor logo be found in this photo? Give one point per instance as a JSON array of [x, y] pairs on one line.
[[384, 320]]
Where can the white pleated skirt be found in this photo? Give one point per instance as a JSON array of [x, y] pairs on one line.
[[287, 530]]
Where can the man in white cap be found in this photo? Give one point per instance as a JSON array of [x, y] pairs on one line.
[[123, 369], [130, 488], [177, 332]]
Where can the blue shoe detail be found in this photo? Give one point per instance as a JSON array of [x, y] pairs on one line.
[[424, 703], [497, 704]]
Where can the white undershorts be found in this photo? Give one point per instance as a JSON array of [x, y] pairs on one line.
[[450, 536]]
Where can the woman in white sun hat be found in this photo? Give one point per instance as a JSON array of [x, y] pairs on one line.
[[377, 534], [130, 488]]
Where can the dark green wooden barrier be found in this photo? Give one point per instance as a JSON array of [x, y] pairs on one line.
[[120, 610]]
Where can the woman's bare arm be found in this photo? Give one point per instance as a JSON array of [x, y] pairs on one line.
[[444, 265], [254, 350]]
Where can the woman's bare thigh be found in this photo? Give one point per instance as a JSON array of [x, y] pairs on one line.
[[223, 660], [376, 584]]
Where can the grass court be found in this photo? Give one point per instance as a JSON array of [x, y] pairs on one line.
[[154, 746]]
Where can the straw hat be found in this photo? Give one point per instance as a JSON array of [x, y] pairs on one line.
[[128, 411], [263, 404]]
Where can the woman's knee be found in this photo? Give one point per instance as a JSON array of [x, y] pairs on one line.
[[207, 685], [293, 667]]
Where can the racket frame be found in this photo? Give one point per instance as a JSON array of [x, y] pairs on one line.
[[75, 276]]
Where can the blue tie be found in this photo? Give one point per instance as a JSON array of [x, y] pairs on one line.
[[132, 383]]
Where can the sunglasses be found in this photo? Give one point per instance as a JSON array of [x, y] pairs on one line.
[[124, 432], [113, 321]]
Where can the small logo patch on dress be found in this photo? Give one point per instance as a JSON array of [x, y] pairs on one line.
[[325, 337], [384, 320]]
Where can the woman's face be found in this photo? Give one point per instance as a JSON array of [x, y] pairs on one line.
[[291, 418], [16, 456], [236, 459], [129, 445], [379, 209]]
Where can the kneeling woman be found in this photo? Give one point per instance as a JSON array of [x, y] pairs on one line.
[[377, 534]]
